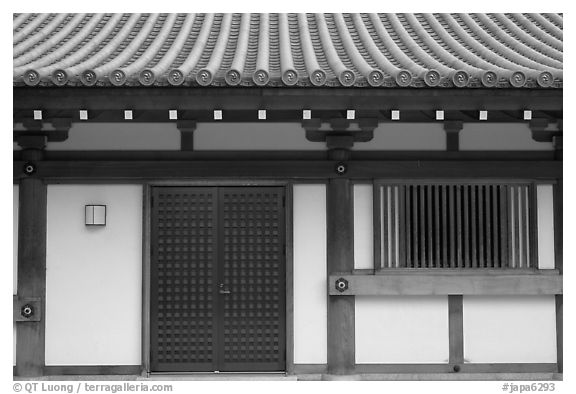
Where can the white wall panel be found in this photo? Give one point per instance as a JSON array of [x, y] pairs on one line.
[[310, 308], [499, 136], [253, 136], [404, 329], [363, 227], [120, 136], [517, 329], [545, 198], [94, 277]]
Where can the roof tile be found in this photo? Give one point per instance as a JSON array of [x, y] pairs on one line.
[[275, 50]]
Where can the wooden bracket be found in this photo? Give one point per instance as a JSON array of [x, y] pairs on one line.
[[540, 132], [453, 129], [187, 128]]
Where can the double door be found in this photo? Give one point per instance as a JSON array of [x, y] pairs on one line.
[[217, 279]]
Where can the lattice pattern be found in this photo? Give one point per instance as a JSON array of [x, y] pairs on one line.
[[184, 252], [204, 238], [455, 226], [252, 226]]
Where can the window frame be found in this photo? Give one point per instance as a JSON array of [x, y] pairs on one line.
[[532, 235]]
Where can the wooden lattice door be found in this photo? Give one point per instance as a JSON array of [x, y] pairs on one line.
[[218, 279]]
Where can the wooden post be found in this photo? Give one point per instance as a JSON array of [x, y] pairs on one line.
[[558, 212], [340, 253], [455, 332], [340, 219], [30, 335]]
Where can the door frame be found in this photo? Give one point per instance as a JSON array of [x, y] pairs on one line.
[[147, 255]]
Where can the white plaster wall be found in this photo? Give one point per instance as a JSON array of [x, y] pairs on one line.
[[363, 227], [515, 329], [499, 136], [406, 136], [253, 136], [120, 136], [310, 303], [403, 329], [94, 277], [545, 198], [15, 196]]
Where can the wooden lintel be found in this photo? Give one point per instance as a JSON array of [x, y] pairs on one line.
[[306, 169], [186, 99], [422, 284]]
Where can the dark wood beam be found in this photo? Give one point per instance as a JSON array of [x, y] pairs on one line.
[[340, 254], [455, 332], [145, 170], [194, 99], [31, 270], [230, 155], [439, 284]]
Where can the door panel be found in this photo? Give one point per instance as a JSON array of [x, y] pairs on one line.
[[183, 314], [218, 279], [252, 232]]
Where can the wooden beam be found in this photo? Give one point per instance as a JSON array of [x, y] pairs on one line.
[[54, 370], [447, 368], [54, 170], [464, 284], [147, 155], [31, 274], [340, 249], [455, 332], [197, 99]]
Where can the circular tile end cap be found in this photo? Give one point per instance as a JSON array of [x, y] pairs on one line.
[[176, 77], [117, 77], [460, 78], [146, 77], [404, 78], [518, 79], [59, 77], [89, 77], [233, 77], [204, 77], [545, 79], [347, 78], [261, 77], [432, 78], [290, 77], [31, 77], [318, 78], [376, 78], [489, 79]]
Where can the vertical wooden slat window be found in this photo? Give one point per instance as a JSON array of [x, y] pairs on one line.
[[455, 225]]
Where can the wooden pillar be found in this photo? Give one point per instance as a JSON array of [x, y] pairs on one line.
[[558, 220], [30, 335], [455, 332], [340, 238]]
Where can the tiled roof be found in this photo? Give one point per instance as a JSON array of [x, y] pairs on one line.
[[332, 50]]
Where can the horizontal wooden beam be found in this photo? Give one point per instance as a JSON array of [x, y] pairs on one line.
[[51, 370], [422, 284], [463, 368], [146, 155], [170, 170], [198, 99]]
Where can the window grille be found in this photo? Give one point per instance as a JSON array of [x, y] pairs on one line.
[[455, 225]]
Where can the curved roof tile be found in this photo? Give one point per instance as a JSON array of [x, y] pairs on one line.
[[275, 50]]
